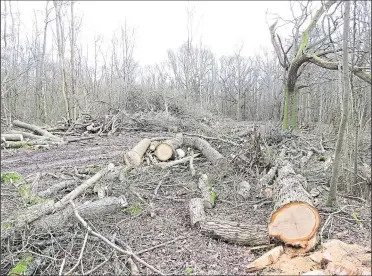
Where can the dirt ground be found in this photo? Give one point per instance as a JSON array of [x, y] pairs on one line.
[[187, 248]]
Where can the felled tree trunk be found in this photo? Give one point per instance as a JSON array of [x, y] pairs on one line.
[[294, 221], [134, 156], [209, 196], [228, 231], [167, 149], [234, 232], [36, 129], [208, 151], [11, 137]]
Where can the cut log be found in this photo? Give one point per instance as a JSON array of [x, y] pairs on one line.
[[29, 135], [207, 150], [294, 221], [244, 189], [11, 137], [208, 194], [167, 149], [197, 213], [85, 185], [180, 153], [153, 145], [236, 233], [134, 156], [89, 210], [266, 259], [36, 129]]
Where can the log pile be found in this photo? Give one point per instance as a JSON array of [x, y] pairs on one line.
[[165, 152]]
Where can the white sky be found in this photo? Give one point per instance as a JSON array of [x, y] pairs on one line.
[[161, 25]]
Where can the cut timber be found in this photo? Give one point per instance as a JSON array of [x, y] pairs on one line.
[[11, 137], [197, 213], [207, 150], [167, 149], [209, 195], [36, 129], [266, 259], [134, 156], [89, 210], [244, 189], [294, 221], [29, 135], [54, 189], [153, 145], [83, 187], [233, 232]]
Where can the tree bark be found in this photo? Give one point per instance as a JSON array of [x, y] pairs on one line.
[[294, 220], [344, 110], [167, 150]]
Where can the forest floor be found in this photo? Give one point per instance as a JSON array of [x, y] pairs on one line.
[[164, 219]]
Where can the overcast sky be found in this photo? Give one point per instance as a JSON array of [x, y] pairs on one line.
[[160, 25]]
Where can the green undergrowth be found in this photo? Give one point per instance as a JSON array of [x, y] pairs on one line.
[[11, 177]]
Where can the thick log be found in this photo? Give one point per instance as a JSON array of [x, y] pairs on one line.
[[92, 210], [167, 149], [295, 221], [11, 137], [197, 213], [134, 156], [209, 196], [207, 150], [244, 189], [29, 135], [36, 129], [234, 232]]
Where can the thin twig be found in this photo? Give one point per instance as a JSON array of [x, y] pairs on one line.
[[62, 266], [98, 266], [81, 254], [131, 254], [159, 245]]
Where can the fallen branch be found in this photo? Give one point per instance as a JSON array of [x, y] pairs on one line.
[[212, 138], [165, 165], [11, 137], [207, 150], [80, 256], [131, 254]]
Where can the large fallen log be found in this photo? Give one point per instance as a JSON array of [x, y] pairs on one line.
[[135, 155], [28, 135], [207, 150], [11, 137], [36, 129], [167, 149], [294, 221], [234, 232], [91, 210], [229, 231]]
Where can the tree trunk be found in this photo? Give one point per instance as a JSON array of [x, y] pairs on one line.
[[345, 105], [134, 156], [294, 221]]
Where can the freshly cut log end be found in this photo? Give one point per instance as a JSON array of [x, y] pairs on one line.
[[164, 152], [134, 156], [295, 223]]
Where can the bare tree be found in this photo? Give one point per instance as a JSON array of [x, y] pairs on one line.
[[345, 107]]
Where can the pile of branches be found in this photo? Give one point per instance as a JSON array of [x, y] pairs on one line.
[[38, 137]]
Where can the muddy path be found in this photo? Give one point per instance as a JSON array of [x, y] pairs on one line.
[[99, 151]]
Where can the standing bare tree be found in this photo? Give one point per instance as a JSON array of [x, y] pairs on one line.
[[345, 106]]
